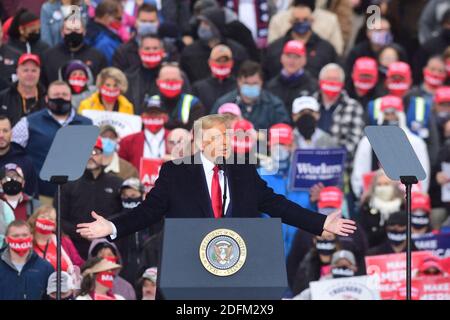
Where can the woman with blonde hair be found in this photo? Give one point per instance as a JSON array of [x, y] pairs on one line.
[[112, 85]]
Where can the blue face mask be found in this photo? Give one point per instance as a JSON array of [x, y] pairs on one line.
[[109, 146], [381, 37], [301, 27], [144, 28], [250, 91], [205, 33]]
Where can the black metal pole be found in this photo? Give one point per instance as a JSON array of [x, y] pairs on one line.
[[58, 246], [408, 243]]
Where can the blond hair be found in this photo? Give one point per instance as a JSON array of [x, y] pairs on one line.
[[114, 74]]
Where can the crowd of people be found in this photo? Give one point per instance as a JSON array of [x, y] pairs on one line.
[[311, 73]]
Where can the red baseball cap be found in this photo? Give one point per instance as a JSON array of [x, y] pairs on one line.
[[281, 133], [330, 197], [99, 144], [399, 68], [391, 102], [365, 65], [295, 47], [442, 95], [431, 262], [29, 57], [420, 201], [243, 144]]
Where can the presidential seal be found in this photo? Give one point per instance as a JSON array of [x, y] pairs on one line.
[[223, 252]]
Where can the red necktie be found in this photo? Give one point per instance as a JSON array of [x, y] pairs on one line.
[[216, 194]]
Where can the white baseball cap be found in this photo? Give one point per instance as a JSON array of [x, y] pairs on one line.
[[304, 103]]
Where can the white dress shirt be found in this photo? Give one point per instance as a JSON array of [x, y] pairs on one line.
[[154, 146], [208, 167]]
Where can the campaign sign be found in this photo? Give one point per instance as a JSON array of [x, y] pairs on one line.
[[427, 288], [391, 271], [311, 166], [125, 124], [439, 244], [351, 288], [149, 172]]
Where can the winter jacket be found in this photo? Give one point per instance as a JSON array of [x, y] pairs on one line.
[[11, 103], [103, 39], [18, 155], [210, 89], [121, 286], [79, 198], [29, 284], [8, 65], [94, 103], [39, 47], [267, 110]]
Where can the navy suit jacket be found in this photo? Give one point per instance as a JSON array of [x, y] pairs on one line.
[[181, 192]]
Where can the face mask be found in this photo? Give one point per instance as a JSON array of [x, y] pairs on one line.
[[170, 89], [221, 71], [397, 88], [20, 246], [153, 124], [106, 279], [151, 59], [109, 146], [59, 106], [109, 95], [45, 226], [73, 39], [384, 192], [381, 38], [432, 79], [131, 203], [34, 37], [396, 238], [251, 92], [205, 33], [342, 272], [12, 187], [364, 85], [144, 28], [331, 89], [420, 221], [115, 25], [302, 27], [325, 247], [77, 83], [306, 125]]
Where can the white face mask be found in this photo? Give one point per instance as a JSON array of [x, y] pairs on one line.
[[384, 192]]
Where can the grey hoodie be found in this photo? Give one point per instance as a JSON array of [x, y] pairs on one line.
[[121, 286]]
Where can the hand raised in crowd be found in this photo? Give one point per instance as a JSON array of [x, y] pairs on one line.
[[442, 178], [336, 225], [315, 191], [100, 228]]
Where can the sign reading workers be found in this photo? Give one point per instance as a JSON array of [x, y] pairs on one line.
[[311, 166]]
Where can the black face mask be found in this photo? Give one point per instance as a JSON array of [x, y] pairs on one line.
[[131, 203], [396, 238], [12, 187], [342, 272], [59, 106], [306, 125], [73, 39], [34, 37], [326, 247]]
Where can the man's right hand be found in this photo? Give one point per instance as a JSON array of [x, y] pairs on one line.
[[100, 228]]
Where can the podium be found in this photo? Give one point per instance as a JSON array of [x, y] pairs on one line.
[[222, 259]]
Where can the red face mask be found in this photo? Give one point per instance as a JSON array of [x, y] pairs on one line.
[[151, 59], [154, 124], [221, 71], [115, 25], [170, 89], [331, 89], [20, 246], [77, 83], [109, 95], [105, 278], [397, 88], [364, 85], [434, 80], [45, 226]]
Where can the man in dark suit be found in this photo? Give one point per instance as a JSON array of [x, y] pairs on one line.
[[192, 188]]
